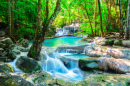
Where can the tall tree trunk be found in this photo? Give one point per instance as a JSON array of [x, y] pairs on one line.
[[35, 49], [100, 17], [127, 33], [11, 19], [121, 20], [95, 16], [108, 10]]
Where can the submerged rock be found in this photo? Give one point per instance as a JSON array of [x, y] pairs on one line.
[[27, 65], [12, 79], [5, 68]]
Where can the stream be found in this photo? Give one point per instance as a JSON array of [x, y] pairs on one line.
[[62, 59]]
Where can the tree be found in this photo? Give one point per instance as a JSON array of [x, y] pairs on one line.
[[11, 6], [121, 20], [39, 38], [127, 32], [100, 17], [88, 18]]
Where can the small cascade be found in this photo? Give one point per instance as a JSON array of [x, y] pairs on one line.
[[71, 29], [71, 49], [16, 70], [56, 67]]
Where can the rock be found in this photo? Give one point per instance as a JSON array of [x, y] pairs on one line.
[[7, 42], [59, 82], [126, 43], [105, 80], [40, 77], [27, 65], [23, 42], [4, 59], [88, 63], [105, 64], [118, 42], [99, 41], [110, 42], [12, 79], [2, 33], [117, 65], [97, 53], [86, 39], [116, 53], [22, 49], [2, 45], [5, 68], [71, 49]]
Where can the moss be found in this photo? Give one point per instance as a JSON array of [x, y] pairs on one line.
[[11, 68], [110, 42]]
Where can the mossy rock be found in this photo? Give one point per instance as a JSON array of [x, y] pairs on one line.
[[59, 82], [27, 65], [41, 77], [110, 42], [118, 42], [5, 68], [13, 80], [106, 80], [88, 63]]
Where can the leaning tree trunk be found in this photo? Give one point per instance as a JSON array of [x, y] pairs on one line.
[[121, 20], [100, 17], [35, 49]]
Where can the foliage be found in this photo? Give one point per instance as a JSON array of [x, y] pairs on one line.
[[72, 11]]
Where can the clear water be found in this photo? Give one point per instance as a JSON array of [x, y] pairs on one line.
[[62, 41]]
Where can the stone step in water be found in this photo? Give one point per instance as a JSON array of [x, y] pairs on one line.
[[71, 49]]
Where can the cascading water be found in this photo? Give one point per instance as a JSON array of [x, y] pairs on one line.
[[71, 29], [56, 67]]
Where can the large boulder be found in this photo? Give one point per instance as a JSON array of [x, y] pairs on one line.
[[95, 53], [27, 65], [88, 63], [119, 53], [5, 68], [105, 64], [126, 43], [12, 79], [40, 77], [23, 42], [7, 42]]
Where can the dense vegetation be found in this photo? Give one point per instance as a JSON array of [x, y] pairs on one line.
[[32, 19]]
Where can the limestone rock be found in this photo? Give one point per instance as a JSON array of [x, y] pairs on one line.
[[7, 42], [23, 42], [5, 68], [126, 43], [12, 79], [27, 65]]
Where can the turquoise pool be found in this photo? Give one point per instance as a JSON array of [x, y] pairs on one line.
[[61, 41]]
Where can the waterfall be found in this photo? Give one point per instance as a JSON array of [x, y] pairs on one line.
[[71, 29]]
